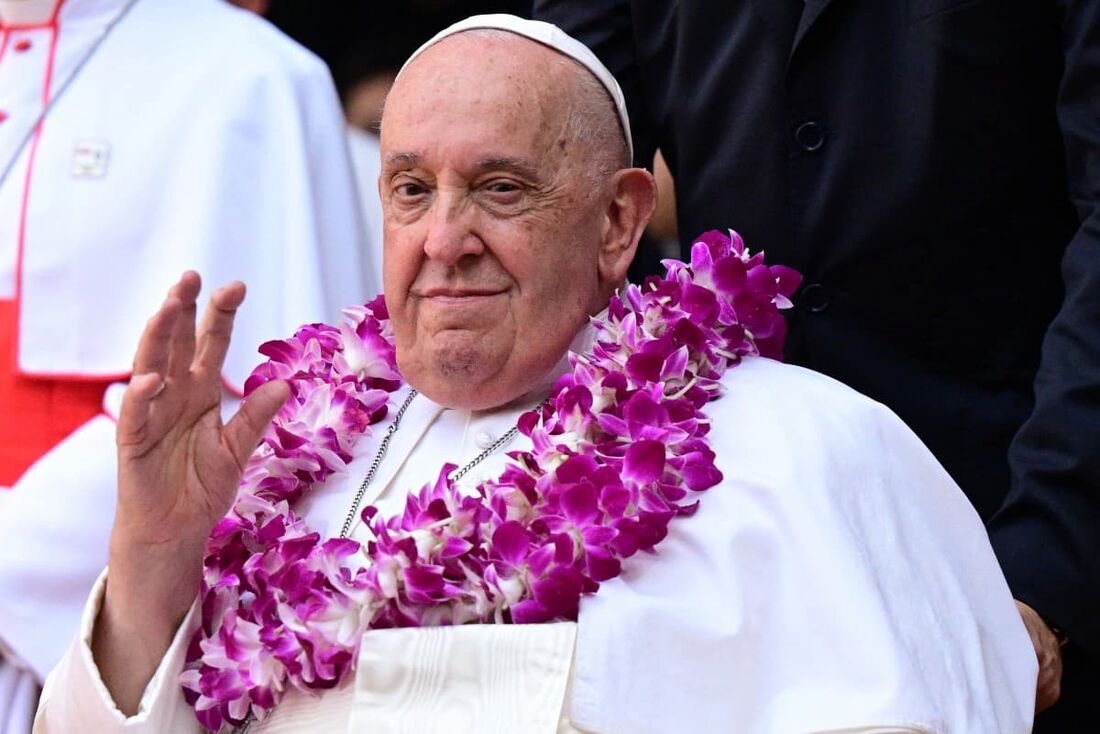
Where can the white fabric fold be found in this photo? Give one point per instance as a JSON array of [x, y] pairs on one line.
[[837, 578], [54, 527], [75, 697], [484, 679], [18, 697]]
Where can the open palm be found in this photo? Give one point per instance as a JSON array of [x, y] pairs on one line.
[[179, 465]]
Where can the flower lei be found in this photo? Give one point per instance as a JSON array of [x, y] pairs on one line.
[[615, 453]]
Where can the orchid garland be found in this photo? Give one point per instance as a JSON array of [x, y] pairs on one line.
[[617, 452]]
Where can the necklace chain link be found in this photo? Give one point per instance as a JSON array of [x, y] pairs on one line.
[[384, 446], [486, 453]]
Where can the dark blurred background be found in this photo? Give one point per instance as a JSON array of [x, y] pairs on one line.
[[364, 42]]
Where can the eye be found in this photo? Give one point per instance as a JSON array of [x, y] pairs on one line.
[[409, 196], [501, 186], [409, 189], [503, 192]]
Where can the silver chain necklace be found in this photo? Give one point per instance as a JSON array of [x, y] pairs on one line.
[[377, 462], [385, 444], [64, 88]]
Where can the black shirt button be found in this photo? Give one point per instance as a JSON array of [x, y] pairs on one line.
[[815, 298], [810, 136]]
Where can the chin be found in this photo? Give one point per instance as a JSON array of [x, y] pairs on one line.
[[455, 392], [470, 370], [457, 372], [473, 385]]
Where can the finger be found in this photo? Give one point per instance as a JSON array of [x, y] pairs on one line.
[[1049, 654], [133, 417], [182, 350], [1049, 689], [1047, 696], [1050, 668], [216, 328], [153, 348], [243, 432]]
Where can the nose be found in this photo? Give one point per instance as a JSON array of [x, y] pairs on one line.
[[450, 235]]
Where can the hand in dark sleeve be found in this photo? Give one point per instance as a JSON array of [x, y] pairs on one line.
[[606, 27], [1047, 535]]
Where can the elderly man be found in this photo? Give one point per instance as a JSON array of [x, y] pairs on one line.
[[807, 592]]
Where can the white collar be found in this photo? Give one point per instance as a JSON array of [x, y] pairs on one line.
[[39, 13], [27, 13]]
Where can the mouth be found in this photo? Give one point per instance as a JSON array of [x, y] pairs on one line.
[[459, 295], [461, 307]]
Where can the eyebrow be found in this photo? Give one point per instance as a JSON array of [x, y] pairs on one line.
[[401, 160], [518, 166]]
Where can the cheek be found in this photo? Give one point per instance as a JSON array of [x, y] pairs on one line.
[[400, 264], [559, 289], [400, 254]]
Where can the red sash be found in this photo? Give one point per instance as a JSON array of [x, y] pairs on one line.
[[36, 413]]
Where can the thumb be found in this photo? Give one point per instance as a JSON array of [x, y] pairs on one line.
[[247, 427]]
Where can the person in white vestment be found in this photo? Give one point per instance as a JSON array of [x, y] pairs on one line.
[[836, 579], [138, 138]]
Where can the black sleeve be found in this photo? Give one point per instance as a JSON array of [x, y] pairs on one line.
[[1047, 535], [607, 27]]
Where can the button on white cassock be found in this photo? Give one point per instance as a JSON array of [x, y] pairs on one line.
[[483, 439], [195, 137]]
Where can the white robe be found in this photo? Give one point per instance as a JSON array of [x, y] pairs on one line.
[[836, 580], [196, 136]]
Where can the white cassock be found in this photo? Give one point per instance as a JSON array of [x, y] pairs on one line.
[[836, 580], [195, 136]]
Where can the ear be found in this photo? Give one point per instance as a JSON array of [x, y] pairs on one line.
[[633, 199]]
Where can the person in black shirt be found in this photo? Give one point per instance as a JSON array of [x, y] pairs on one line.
[[933, 168]]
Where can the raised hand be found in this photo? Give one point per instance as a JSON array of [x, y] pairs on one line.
[[179, 467]]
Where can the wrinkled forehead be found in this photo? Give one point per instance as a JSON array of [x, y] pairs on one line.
[[471, 91], [482, 64]]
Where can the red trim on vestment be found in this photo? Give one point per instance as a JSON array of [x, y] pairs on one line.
[[4, 41], [22, 230], [37, 414]]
